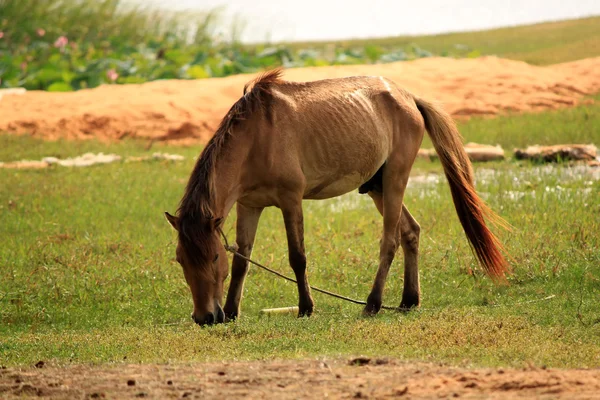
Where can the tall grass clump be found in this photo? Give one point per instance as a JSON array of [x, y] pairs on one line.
[[63, 45], [112, 21]]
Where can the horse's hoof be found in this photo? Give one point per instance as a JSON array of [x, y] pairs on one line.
[[368, 313], [305, 307], [231, 316], [409, 302], [371, 310], [373, 306], [305, 313]]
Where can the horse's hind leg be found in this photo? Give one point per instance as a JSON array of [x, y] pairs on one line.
[[246, 224], [394, 180], [408, 234], [291, 209]]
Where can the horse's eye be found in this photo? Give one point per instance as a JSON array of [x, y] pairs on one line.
[[216, 258]]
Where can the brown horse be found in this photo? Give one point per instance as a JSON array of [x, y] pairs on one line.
[[283, 142]]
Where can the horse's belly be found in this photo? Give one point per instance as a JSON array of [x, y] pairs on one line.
[[336, 185], [327, 190], [344, 152], [343, 171]]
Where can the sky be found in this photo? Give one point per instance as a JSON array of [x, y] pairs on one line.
[[299, 20]]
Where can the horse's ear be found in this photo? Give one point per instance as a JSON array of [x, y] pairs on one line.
[[173, 220]]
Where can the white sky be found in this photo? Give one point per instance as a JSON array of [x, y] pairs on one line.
[[294, 20]]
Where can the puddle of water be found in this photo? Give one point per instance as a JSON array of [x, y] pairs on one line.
[[563, 174], [534, 181]]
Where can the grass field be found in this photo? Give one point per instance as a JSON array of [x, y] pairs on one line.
[[541, 44], [87, 269]]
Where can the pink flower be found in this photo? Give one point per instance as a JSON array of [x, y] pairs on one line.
[[23, 66], [41, 32], [1, 35], [61, 42], [112, 75]]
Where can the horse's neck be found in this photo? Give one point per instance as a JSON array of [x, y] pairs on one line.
[[226, 178]]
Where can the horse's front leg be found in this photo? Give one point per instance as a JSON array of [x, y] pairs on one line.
[[294, 226], [246, 225]]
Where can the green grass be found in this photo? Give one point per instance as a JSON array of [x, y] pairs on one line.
[[87, 268], [541, 44]]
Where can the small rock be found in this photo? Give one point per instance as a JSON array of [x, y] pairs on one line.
[[401, 392], [360, 361]]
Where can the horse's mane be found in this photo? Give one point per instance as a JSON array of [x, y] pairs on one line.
[[196, 209]]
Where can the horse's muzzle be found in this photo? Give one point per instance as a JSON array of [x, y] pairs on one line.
[[216, 317]]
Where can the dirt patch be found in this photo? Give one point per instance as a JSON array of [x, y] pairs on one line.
[[189, 111], [357, 378]]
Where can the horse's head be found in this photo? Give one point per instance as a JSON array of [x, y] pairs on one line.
[[204, 261]]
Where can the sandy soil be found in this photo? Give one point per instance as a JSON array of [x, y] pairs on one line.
[[356, 378], [191, 110]]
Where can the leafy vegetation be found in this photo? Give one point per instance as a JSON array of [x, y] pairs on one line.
[[87, 268], [63, 45]]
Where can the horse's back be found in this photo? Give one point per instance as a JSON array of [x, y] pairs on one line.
[[341, 130]]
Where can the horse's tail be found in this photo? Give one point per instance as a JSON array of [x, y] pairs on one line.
[[470, 208]]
